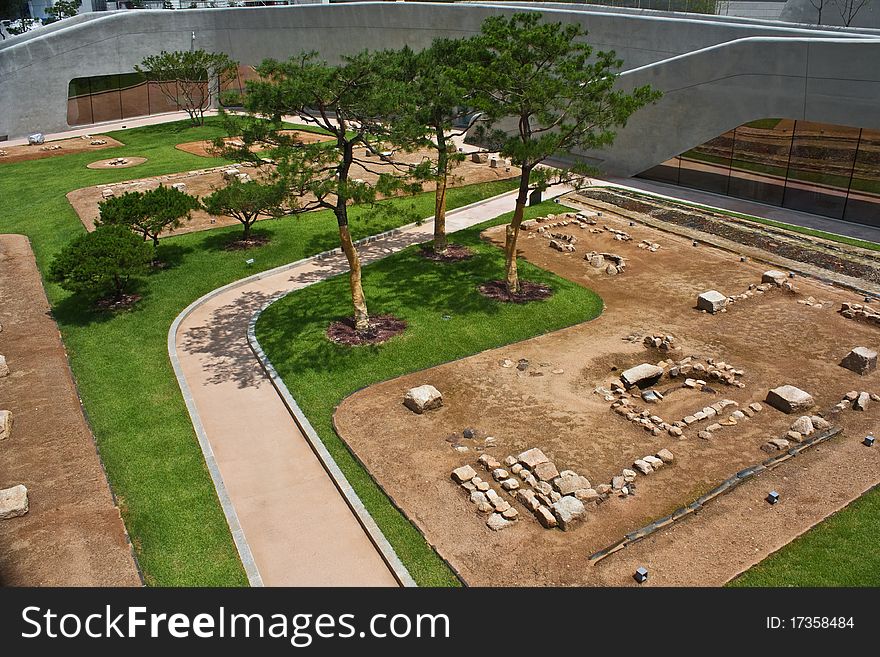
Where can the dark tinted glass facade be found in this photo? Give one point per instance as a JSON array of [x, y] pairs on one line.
[[114, 97], [824, 169]]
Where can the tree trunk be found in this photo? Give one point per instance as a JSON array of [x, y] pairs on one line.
[[247, 230], [156, 242], [440, 240], [512, 231], [118, 287], [361, 316]]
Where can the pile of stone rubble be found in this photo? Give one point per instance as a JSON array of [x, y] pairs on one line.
[[860, 312], [713, 301], [855, 400], [612, 263], [543, 224], [803, 427]]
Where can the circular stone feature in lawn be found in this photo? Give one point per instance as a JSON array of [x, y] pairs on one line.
[[117, 163], [382, 328], [528, 291], [453, 253]]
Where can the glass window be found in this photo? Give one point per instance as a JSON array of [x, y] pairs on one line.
[[664, 172], [760, 158], [863, 203], [707, 166], [822, 158]]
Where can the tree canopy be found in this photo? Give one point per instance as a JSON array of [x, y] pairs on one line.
[[148, 213], [190, 78], [247, 202], [545, 93], [348, 101], [101, 262]]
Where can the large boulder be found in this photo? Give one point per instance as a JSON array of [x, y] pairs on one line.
[[789, 399], [5, 424], [641, 374], [13, 502], [774, 277], [568, 510], [424, 398], [4, 368], [463, 474], [860, 360], [711, 301]]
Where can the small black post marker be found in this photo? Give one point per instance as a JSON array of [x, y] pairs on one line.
[[868, 441], [772, 497], [641, 575]]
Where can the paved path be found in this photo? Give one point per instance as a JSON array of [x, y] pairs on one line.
[[291, 522]]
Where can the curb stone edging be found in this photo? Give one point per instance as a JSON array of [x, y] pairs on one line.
[[247, 559]]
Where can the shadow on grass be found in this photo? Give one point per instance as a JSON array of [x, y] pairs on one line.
[[81, 309], [223, 239]]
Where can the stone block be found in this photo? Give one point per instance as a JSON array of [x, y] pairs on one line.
[[497, 522], [711, 301], [463, 474], [665, 455], [545, 517], [774, 277], [640, 374], [860, 360], [642, 466], [568, 510], [423, 398], [5, 424], [532, 457], [546, 471], [569, 483], [13, 502], [789, 399], [4, 368]]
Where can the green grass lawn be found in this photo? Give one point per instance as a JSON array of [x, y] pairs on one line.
[[320, 374], [841, 551], [120, 360]]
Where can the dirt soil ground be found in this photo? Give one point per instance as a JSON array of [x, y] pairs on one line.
[[206, 148], [203, 182], [771, 336], [72, 145], [73, 534]]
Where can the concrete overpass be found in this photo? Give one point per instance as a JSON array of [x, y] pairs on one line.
[[716, 72]]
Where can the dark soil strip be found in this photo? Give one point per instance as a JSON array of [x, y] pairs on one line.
[[791, 246]]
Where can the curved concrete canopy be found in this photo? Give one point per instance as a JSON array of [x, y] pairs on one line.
[[716, 73]]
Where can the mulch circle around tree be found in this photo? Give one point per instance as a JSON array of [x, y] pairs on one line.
[[453, 253], [382, 328], [528, 291], [244, 245], [113, 304]]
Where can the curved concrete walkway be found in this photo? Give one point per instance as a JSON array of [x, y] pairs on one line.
[[295, 520]]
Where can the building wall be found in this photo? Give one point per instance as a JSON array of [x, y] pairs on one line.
[[716, 73]]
